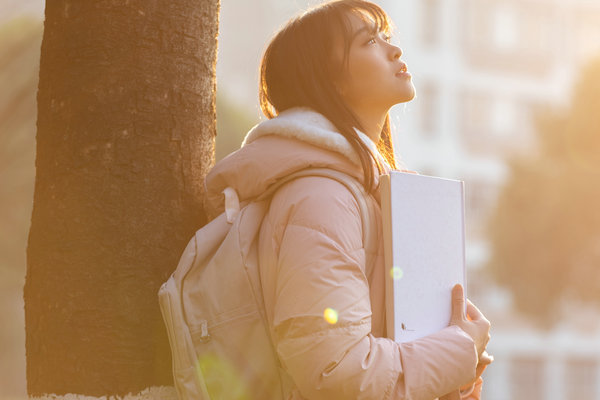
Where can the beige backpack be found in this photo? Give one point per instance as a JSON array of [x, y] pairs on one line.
[[213, 307]]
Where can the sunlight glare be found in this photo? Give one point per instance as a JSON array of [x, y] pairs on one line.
[[330, 315], [396, 273]]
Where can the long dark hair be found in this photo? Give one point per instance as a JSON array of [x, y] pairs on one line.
[[298, 70]]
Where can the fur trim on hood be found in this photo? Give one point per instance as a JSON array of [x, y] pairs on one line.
[[311, 127], [296, 139]]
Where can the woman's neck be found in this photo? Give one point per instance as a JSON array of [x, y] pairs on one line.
[[372, 123]]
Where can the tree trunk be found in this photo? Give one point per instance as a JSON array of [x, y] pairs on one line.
[[126, 127]]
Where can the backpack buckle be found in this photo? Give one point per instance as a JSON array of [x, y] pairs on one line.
[[232, 204], [204, 335]]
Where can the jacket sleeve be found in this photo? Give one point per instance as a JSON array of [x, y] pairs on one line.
[[332, 354], [474, 392]]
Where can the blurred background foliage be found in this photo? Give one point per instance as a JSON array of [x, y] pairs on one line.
[[545, 232], [20, 41], [233, 122]]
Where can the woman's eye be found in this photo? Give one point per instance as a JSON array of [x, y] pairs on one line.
[[382, 36]]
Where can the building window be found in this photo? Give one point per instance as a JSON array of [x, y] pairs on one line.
[[527, 378], [430, 24], [473, 120], [586, 34], [480, 199], [581, 378], [429, 110], [505, 35], [510, 37], [476, 199], [503, 116], [494, 123]]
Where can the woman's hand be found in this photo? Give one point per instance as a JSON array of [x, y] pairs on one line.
[[484, 361], [474, 323]]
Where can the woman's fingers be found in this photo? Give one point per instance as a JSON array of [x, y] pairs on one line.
[[477, 316], [485, 358], [473, 323], [458, 303], [473, 312]]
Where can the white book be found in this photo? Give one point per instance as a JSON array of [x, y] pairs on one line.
[[424, 243]]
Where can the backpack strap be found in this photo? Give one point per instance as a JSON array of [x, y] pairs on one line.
[[352, 184]]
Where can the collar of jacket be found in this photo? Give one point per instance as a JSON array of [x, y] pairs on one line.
[[311, 127], [296, 139]]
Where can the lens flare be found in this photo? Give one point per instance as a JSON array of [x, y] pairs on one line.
[[221, 378], [396, 273], [330, 315]]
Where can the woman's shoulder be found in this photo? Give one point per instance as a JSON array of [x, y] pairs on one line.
[[315, 192], [317, 202]]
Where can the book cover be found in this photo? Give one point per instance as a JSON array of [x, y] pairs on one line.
[[424, 243]]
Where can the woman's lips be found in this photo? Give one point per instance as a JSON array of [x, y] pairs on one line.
[[403, 72]]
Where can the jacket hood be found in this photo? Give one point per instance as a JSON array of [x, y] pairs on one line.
[[296, 139]]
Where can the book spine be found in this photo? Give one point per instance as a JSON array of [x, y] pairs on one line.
[[463, 241], [386, 220]]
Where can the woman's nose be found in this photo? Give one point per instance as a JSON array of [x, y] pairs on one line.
[[395, 52]]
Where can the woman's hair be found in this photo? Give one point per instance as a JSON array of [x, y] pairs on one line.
[[298, 69]]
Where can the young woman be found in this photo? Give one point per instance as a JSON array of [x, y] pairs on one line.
[[328, 80]]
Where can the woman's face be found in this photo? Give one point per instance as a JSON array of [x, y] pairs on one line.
[[374, 79]]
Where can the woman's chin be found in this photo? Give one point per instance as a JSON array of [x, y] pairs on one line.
[[412, 93], [406, 97]]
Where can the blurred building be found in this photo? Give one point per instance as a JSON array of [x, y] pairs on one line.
[[481, 69]]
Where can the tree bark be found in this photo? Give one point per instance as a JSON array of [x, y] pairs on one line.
[[126, 127]]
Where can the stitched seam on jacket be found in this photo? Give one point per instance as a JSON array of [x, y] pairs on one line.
[[349, 327], [390, 387], [325, 234]]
